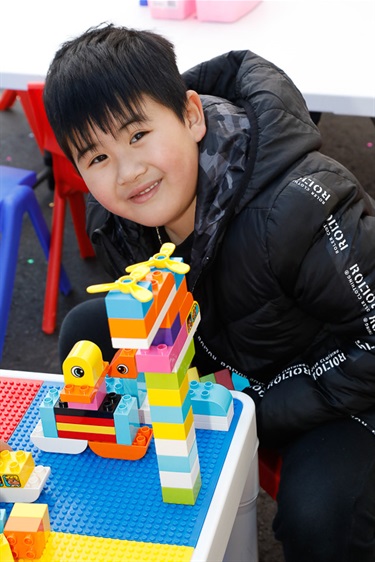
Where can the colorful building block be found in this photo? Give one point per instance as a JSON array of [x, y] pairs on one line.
[[126, 420], [166, 359], [47, 413], [123, 364], [210, 399], [16, 468], [27, 530], [171, 414], [84, 365], [3, 518], [5, 550]]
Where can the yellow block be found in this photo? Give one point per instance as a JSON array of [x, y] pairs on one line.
[[84, 365], [178, 431], [5, 550], [32, 510], [168, 397], [193, 374], [81, 428], [16, 468], [64, 547]]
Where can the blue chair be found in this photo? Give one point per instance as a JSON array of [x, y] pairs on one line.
[[17, 198]]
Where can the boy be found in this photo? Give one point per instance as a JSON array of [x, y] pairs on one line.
[[224, 163]]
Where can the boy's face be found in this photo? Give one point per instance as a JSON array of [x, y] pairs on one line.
[[147, 172]]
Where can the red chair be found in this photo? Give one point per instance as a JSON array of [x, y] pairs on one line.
[[7, 99], [68, 187], [269, 471]]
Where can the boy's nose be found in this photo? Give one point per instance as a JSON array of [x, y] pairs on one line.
[[128, 172]]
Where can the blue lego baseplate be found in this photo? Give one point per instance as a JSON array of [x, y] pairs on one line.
[[93, 496]]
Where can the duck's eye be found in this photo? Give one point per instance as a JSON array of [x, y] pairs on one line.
[[77, 372], [122, 369]]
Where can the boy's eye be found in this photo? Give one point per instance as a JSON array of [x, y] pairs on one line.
[[98, 159], [137, 136]]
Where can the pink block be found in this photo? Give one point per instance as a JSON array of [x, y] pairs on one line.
[[161, 358], [171, 9], [95, 404], [225, 10]]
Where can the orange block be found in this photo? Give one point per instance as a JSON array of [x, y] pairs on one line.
[[177, 302], [132, 327], [123, 364], [186, 308], [84, 394]]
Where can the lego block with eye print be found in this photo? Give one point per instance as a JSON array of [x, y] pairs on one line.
[[84, 366]]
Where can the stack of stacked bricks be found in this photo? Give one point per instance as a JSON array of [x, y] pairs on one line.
[[26, 532], [161, 333]]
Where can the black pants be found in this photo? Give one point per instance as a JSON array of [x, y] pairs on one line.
[[326, 500]]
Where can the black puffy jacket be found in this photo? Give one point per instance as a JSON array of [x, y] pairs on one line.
[[283, 257]]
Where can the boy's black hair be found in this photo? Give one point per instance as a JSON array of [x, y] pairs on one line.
[[104, 74]]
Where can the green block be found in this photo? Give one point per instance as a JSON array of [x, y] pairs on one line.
[[185, 496], [171, 381], [207, 378]]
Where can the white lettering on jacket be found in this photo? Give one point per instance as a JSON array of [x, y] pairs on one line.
[[336, 236], [315, 189], [360, 287]]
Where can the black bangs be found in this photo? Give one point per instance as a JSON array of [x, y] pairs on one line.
[[102, 77]]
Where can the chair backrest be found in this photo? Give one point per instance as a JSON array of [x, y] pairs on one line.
[[39, 121], [66, 177]]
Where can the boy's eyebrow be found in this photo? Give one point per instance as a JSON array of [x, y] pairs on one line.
[[92, 146]]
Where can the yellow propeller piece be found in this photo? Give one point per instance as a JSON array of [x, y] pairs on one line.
[[127, 284], [162, 260]]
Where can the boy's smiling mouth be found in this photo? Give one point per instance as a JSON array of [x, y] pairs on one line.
[[145, 194]]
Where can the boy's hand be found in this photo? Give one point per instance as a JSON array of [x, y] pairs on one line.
[[4, 446]]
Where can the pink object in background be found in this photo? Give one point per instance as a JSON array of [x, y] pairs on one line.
[[224, 10], [171, 9]]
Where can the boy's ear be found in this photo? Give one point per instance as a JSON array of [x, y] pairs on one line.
[[194, 115]]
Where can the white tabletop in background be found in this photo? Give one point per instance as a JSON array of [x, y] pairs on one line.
[[327, 47]]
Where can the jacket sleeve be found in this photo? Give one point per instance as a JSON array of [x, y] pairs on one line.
[[323, 254]]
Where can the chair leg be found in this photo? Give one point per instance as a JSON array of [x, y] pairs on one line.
[[43, 234], [7, 99], [54, 265], [78, 210], [11, 225]]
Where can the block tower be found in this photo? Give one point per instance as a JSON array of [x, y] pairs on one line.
[[152, 318]]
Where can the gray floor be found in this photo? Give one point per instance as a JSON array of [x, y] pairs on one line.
[[348, 139]]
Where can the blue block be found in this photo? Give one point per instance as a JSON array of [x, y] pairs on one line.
[[47, 412], [239, 382], [124, 305], [3, 518], [126, 420], [171, 463], [121, 386], [210, 399], [171, 414]]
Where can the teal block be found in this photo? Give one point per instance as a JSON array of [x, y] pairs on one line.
[[3, 518], [210, 399], [126, 420], [47, 413], [239, 382], [124, 305], [121, 386], [171, 463], [171, 414]]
